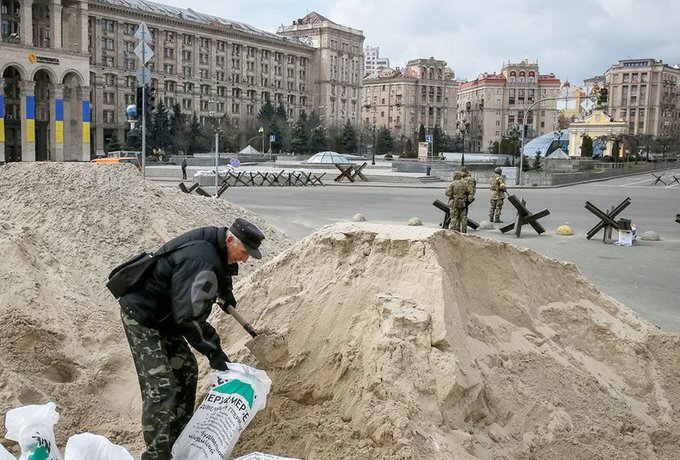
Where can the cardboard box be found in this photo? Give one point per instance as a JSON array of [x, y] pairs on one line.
[[627, 237]]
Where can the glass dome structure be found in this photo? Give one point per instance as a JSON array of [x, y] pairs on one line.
[[547, 143], [327, 157]]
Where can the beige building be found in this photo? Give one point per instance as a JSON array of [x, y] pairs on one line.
[[597, 125], [644, 93], [424, 92], [69, 71], [493, 105], [337, 65]]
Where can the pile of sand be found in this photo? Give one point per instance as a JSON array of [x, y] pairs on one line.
[[64, 226], [402, 342]]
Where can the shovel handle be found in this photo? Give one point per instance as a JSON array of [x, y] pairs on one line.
[[237, 316]]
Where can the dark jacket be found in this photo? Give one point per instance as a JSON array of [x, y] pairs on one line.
[[177, 297]]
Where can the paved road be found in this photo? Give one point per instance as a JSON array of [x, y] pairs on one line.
[[644, 277]]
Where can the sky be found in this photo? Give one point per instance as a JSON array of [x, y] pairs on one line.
[[575, 39]]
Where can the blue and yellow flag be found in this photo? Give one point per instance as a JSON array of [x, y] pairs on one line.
[[261, 130]]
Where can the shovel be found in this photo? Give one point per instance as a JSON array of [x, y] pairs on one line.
[[268, 347]]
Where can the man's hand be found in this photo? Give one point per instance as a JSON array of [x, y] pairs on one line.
[[229, 299], [218, 360]]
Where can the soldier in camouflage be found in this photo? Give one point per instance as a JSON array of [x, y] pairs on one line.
[[497, 183], [460, 193], [168, 312]]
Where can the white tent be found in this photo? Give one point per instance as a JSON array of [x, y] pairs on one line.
[[559, 155], [249, 149]]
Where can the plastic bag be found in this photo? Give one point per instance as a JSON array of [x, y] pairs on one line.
[[261, 456], [237, 395], [88, 446], [33, 428]]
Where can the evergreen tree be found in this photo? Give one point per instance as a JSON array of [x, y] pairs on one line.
[[587, 146], [349, 139], [537, 166], [385, 142], [133, 140], [421, 133], [178, 130], [280, 129], [160, 136], [409, 151], [300, 136], [266, 116], [195, 144], [437, 140], [229, 135], [318, 141]]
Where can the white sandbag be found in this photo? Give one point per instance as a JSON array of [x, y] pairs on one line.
[[261, 456], [5, 455], [237, 395], [33, 428], [88, 446]]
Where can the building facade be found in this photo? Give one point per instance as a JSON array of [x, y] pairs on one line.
[[69, 71], [372, 60], [493, 105], [424, 92], [644, 93], [337, 66], [44, 90]]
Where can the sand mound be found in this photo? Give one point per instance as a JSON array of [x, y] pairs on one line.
[[402, 342], [64, 226], [409, 342]]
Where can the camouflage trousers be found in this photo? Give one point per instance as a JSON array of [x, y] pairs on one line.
[[458, 220], [167, 373], [495, 209]]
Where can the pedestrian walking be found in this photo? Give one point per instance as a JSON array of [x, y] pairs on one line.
[[184, 169]]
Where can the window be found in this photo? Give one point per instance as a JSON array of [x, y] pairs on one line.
[[186, 71], [108, 98], [221, 46], [107, 61], [170, 86], [186, 104], [108, 116], [169, 36], [129, 29], [107, 43], [235, 107], [168, 68], [168, 53], [130, 64], [187, 39], [108, 25], [188, 88], [129, 47], [110, 79], [186, 56], [205, 43], [203, 58]]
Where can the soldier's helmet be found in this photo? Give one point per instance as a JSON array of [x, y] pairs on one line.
[[457, 175], [498, 171], [464, 171]]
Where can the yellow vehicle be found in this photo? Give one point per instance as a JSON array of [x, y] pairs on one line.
[[118, 160]]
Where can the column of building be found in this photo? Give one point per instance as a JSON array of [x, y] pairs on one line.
[[2, 120], [57, 123], [55, 24], [27, 97], [27, 23], [83, 94]]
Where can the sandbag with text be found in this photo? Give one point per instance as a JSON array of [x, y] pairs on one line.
[[236, 396]]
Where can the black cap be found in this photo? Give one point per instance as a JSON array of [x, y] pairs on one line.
[[250, 236]]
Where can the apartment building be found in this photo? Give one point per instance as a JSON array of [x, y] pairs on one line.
[[493, 105], [424, 91], [337, 65], [69, 71], [645, 94], [372, 60]]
